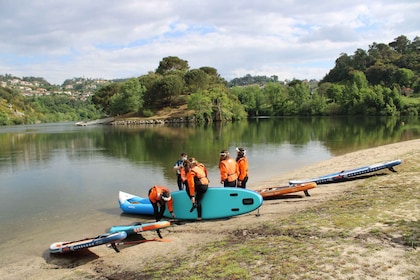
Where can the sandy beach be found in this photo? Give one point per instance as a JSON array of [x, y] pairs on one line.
[[102, 262]]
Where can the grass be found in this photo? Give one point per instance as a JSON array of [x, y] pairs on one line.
[[370, 231]]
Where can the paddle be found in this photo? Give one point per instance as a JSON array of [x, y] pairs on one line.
[[115, 244]]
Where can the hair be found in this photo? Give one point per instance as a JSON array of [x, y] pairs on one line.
[[192, 161], [189, 163], [166, 196], [241, 152], [224, 154]]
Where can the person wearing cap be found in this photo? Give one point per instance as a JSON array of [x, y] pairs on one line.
[[228, 170], [159, 196], [197, 183], [242, 163], [180, 172]]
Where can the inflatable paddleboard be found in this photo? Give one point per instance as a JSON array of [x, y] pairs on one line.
[[348, 174], [68, 246], [138, 227], [217, 203], [274, 192]]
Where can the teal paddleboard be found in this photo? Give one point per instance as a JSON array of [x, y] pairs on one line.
[[218, 202]]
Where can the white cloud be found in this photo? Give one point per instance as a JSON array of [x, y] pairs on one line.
[[119, 39]]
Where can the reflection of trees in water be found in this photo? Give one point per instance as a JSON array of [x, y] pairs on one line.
[[160, 146]]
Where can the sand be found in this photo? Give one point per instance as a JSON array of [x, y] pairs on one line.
[[101, 262]]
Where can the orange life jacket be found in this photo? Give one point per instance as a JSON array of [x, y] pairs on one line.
[[200, 173], [242, 168], [196, 176], [228, 170], [155, 195]]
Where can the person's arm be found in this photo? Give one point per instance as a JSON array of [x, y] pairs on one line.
[[191, 185], [241, 170], [177, 166]]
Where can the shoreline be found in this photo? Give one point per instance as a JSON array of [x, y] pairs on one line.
[[100, 261]]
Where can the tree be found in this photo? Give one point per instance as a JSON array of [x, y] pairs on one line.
[[382, 52], [252, 99], [276, 96], [196, 79], [172, 64], [404, 77], [213, 76], [201, 103], [148, 82], [360, 60], [166, 88], [340, 71], [103, 95], [129, 99], [400, 44], [380, 73], [359, 78]]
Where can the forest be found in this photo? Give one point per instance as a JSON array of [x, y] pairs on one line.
[[383, 80]]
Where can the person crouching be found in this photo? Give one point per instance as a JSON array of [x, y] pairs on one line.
[[160, 196]]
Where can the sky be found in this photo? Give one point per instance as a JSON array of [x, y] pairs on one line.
[[118, 39]]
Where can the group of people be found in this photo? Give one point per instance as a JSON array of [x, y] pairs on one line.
[[192, 176], [233, 173]]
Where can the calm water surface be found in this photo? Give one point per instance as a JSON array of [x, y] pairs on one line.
[[60, 182]]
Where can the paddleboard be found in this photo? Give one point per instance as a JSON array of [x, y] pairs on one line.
[[138, 227], [348, 174], [68, 246], [274, 192], [217, 203]]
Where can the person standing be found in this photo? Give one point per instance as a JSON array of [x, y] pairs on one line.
[[180, 173], [228, 170], [197, 184], [160, 196], [242, 162]]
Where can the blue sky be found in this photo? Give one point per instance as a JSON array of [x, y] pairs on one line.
[[61, 39]]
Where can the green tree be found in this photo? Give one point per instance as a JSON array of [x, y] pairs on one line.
[[359, 78], [102, 96], [201, 103], [275, 102], [213, 77], [166, 88], [171, 64], [380, 73], [252, 98], [340, 70], [196, 79], [404, 77], [129, 99], [401, 44], [299, 95]]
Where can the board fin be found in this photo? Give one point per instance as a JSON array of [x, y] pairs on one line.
[[115, 247]]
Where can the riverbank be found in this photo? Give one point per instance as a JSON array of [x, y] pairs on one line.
[[360, 229]]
